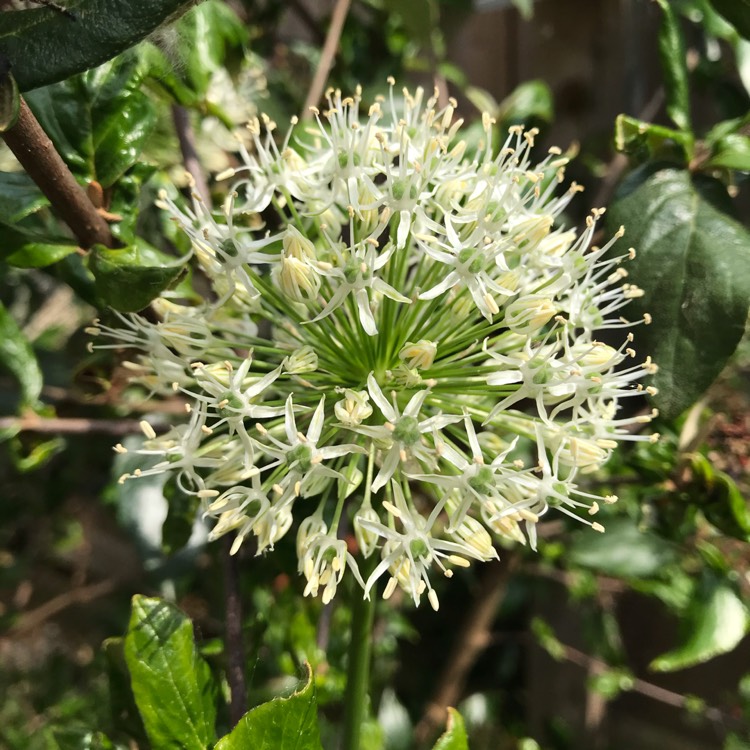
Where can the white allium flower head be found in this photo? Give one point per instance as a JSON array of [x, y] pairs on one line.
[[394, 322]]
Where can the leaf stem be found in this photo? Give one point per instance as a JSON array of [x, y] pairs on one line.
[[356, 699], [33, 148]]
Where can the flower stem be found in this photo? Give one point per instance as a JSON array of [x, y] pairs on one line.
[[356, 698]]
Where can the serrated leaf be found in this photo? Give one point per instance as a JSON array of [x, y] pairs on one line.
[[44, 46], [281, 724], [693, 263], [674, 65], [623, 551], [17, 356], [98, 120], [454, 737], [128, 278], [717, 622], [737, 12], [171, 683]]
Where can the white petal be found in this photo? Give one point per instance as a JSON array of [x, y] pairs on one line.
[[379, 398]]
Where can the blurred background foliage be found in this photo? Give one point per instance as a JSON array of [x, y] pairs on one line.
[[630, 639]]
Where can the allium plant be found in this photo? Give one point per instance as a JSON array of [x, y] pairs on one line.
[[392, 325]]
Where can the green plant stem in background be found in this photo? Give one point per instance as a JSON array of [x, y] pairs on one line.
[[357, 695]]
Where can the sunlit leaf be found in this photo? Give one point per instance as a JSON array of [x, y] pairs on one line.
[[172, 684], [281, 724], [455, 737], [717, 621]]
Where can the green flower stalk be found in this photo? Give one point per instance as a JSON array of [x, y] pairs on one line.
[[391, 320]]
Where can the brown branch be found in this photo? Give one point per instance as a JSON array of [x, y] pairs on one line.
[[80, 595], [36, 153], [186, 137], [70, 425], [474, 636], [234, 642], [326, 56], [662, 695]]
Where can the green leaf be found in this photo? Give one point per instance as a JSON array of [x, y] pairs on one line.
[[17, 356], [693, 263], [530, 100], [737, 12], [525, 8], [31, 254], [171, 683], [207, 32], [99, 120], [82, 739], [674, 64], [181, 514], [623, 551], [19, 197], [128, 278], [720, 499], [10, 99], [731, 152], [454, 737], [44, 46], [717, 621], [281, 724]]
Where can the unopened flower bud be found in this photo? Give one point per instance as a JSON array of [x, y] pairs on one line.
[[354, 408], [528, 314], [302, 360], [420, 355]]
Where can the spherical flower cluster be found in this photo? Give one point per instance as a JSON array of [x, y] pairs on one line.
[[399, 341]]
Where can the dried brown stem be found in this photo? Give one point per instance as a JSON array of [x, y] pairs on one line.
[[326, 56], [36, 153], [474, 636], [81, 595], [186, 137], [234, 642]]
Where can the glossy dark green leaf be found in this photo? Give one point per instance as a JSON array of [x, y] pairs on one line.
[[10, 99], [623, 550], [674, 66], [454, 737], [281, 724], [19, 197], [33, 254], [44, 46], [716, 622], [737, 12], [98, 120], [720, 499], [693, 264], [128, 278], [207, 32], [171, 683], [731, 152], [17, 356]]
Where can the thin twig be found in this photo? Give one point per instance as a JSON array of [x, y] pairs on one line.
[[326, 56], [70, 425], [474, 636], [186, 137], [36, 153], [662, 695], [234, 642], [81, 595]]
